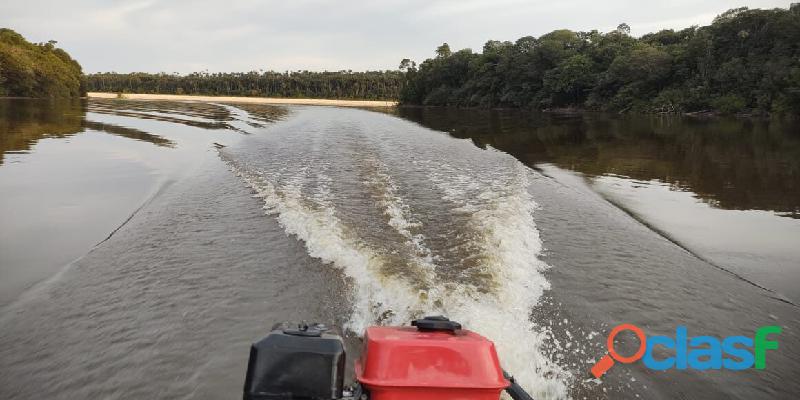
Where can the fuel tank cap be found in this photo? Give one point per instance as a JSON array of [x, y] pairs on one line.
[[436, 323], [302, 329]]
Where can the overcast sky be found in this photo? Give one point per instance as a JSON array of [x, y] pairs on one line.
[[244, 35]]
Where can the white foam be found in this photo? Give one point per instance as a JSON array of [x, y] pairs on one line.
[[498, 206], [324, 238], [397, 211], [503, 211]]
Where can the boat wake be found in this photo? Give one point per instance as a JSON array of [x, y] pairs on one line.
[[418, 222]]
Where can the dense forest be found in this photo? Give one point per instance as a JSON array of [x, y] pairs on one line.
[[745, 61], [373, 85], [37, 69]]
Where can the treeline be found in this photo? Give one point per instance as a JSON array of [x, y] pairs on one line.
[[745, 61], [377, 85], [37, 69]]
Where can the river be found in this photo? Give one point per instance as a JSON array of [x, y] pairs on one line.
[[144, 245]]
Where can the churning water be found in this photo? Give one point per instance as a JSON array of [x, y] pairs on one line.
[[420, 223]]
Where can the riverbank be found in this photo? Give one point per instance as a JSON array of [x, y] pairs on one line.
[[252, 100]]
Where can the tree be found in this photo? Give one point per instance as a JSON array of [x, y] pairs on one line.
[[570, 81], [443, 51], [37, 70], [746, 60], [407, 65], [340, 84]]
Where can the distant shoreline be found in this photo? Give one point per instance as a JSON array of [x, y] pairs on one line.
[[237, 99]]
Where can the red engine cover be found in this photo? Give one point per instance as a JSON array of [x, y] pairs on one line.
[[404, 363]]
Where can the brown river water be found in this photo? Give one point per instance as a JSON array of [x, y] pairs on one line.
[[145, 244]]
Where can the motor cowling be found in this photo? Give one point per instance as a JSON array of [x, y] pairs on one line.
[[296, 362]]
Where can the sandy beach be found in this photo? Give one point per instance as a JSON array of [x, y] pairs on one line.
[[255, 100]]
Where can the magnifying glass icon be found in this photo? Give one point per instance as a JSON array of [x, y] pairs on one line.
[[607, 361]]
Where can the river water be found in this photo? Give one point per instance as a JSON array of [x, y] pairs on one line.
[[144, 245]]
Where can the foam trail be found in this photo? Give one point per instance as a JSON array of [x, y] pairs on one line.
[[321, 231], [511, 245], [471, 254], [397, 211]]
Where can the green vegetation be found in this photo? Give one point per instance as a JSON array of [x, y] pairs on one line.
[[372, 85], [745, 61], [37, 69]]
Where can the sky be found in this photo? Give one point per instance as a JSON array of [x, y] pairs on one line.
[[246, 35]]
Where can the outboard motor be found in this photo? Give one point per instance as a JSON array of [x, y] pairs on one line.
[[432, 359], [300, 362]]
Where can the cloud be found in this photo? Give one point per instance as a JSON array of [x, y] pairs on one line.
[[641, 28], [117, 16]]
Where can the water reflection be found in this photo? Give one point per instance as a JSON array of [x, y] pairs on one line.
[[263, 113], [194, 114], [130, 133], [72, 172], [24, 121], [738, 164]]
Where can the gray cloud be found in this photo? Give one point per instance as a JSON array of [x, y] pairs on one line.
[[243, 35]]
